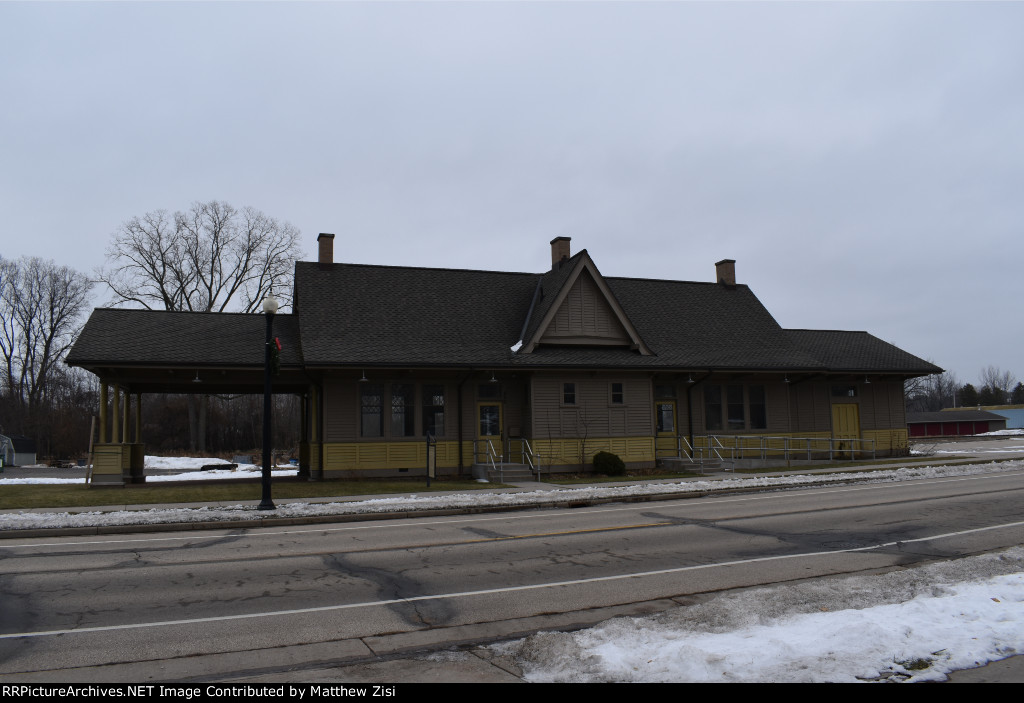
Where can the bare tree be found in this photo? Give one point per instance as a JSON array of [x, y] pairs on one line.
[[999, 384], [209, 258], [41, 305], [931, 393]]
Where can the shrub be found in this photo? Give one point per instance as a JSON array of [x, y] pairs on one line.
[[609, 464]]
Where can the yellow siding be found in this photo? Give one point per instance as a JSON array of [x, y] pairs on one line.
[[887, 440], [562, 452], [361, 456], [111, 463]]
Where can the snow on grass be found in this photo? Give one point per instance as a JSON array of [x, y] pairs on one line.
[[911, 625], [180, 464], [403, 503], [962, 448]]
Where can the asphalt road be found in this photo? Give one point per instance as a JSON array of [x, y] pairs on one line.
[[244, 603]]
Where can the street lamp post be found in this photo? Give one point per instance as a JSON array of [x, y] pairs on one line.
[[269, 309]]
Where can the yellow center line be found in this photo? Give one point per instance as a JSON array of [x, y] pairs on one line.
[[569, 532]]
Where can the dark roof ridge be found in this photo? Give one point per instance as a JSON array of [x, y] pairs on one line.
[[672, 280], [418, 268], [190, 312], [808, 329]]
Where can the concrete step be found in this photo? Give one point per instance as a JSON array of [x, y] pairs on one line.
[[509, 472]]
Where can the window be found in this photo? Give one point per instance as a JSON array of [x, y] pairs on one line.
[[433, 410], [371, 409], [665, 413], [844, 391], [735, 407], [618, 398], [569, 394], [664, 391], [490, 420], [403, 402], [734, 403]]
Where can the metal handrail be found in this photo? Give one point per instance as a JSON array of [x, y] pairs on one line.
[[689, 454], [792, 445], [489, 455], [715, 452], [526, 451]]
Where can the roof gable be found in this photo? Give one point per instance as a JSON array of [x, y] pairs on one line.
[[582, 311]]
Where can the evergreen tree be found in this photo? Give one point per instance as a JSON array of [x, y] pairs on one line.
[[968, 396], [1017, 397], [990, 396]]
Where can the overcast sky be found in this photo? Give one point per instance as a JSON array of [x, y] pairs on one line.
[[862, 162]]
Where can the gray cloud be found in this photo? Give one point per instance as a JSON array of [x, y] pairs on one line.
[[861, 161]]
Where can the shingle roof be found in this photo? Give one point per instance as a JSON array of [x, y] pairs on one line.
[[353, 314], [361, 315], [129, 337], [858, 352]]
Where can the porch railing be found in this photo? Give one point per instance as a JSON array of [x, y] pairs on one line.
[[525, 451], [733, 447], [483, 453], [765, 447]]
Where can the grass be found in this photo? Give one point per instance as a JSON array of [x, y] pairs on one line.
[[915, 664], [842, 465], [573, 479], [80, 495], [14, 497]]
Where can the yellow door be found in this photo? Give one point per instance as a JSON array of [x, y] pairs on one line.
[[666, 443], [846, 425], [489, 427]]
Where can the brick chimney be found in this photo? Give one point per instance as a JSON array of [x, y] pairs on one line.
[[326, 242], [559, 251], [725, 272]]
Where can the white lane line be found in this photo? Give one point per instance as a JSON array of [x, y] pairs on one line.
[[492, 591], [377, 525]]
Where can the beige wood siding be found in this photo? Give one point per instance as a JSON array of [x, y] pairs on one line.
[[593, 415], [897, 405], [866, 394], [584, 315], [514, 399], [776, 406], [341, 421], [822, 400], [881, 408]]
